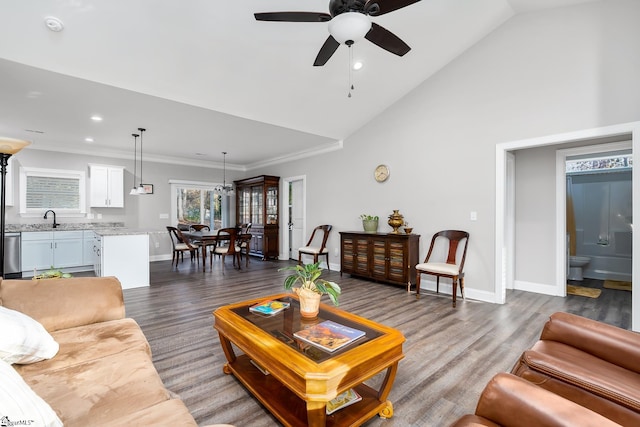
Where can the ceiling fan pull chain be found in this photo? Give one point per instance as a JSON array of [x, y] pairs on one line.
[[350, 67]]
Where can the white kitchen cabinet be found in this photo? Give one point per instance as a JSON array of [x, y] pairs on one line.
[[88, 247], [125, 256], [106, 186], [43, 249]]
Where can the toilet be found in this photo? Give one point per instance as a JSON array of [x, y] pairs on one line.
[[575, 266]]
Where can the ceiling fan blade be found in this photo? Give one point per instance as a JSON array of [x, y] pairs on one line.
[[293, 16], [326, 51], [380, 7], [387, 40]]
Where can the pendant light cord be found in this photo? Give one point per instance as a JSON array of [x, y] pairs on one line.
[[135, 157], [141, 131]]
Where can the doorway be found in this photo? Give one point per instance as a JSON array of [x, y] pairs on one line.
[[504, 251], [294, 202]]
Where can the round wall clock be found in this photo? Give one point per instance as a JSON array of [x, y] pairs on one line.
[[381, 173]]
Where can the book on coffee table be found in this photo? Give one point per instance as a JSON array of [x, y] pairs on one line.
[[269, 307], [328, 335], [343, 400]]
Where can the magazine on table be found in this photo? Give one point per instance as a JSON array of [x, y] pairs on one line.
[[343, 400], [269, 307], [329, 335]]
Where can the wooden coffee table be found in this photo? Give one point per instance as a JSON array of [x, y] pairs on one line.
[[302, 378]]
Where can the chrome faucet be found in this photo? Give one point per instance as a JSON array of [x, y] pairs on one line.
[[54, 217]]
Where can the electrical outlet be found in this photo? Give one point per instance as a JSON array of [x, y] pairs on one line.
[[157, 245], [473, 216], [335, 252], [90, 216], [164, 216], [99, 216]]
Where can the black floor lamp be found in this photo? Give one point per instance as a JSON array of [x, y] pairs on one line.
[[8, 147]]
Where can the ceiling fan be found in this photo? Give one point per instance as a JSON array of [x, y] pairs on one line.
[[349, 22]]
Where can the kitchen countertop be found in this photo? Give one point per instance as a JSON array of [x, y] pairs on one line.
[[13, 228]]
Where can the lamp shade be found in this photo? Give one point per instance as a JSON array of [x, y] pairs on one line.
[[349, 26], [11, 145]]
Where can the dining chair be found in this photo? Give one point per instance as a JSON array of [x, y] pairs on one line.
[[313, 248], [226, 244], [453, 266], [244, 239], [198, 227], [181, 245]]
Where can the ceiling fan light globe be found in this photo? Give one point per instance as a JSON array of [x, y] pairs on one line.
[[349, 26]]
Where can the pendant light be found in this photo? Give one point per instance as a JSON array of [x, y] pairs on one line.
[[141, 187], [224, 189], [134, 190]]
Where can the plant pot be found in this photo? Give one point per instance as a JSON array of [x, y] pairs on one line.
[[309, 303], [370, 225]]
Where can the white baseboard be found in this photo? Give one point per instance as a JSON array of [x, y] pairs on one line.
[[470, 293], [539, 288]]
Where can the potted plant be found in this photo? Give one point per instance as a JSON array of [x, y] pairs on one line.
[[312, 287], [369, 223]]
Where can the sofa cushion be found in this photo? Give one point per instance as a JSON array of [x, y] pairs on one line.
[[24, 340], [581, 369], [19, 403], [95, 392], [65, 303], [167, 413], [85, 343]]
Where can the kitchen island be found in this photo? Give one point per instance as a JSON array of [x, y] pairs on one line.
[[123, 253]]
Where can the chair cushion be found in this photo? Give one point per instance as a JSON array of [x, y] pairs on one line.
[[438, 268], [182, 247], [313, 250], [221, 250]]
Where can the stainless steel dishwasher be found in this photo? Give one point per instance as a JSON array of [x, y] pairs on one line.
[[12, 260]]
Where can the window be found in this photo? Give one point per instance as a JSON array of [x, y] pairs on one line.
[[197, 203], [614, 163], [61, 190]]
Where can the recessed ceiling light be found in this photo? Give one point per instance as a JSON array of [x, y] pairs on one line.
[[357, 65], [96, 118], [54, 24], [88, 139]]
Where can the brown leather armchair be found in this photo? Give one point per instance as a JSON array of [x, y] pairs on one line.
[[510, 401], [591, 363]]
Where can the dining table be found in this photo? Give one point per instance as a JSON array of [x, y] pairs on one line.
[[209, 238]]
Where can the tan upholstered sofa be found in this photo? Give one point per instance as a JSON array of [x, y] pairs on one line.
[[103, 373]]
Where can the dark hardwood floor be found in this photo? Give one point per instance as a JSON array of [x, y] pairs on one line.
[[450, 354]]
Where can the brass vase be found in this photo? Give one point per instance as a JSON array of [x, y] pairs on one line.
[[395, 221]]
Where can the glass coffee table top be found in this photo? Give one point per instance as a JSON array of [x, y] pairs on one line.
[[284, 324]]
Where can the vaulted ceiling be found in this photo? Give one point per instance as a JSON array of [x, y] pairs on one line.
[[205, 77]]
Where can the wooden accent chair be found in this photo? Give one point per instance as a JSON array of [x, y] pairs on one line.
[[244, 238], [181, 245], [226, 244], [451, 268], [316, 250]]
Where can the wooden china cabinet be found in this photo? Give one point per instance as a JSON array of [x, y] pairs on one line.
[[257, 202]]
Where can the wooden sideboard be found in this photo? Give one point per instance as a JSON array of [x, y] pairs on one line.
[[384, 257]]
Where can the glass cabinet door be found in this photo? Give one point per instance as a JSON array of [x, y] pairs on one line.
[[272, 205], [244, 196], [256, 205]]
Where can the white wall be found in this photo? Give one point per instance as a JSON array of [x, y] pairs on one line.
[[540, 73]]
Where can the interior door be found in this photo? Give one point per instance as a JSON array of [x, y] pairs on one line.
[[296, 218]]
